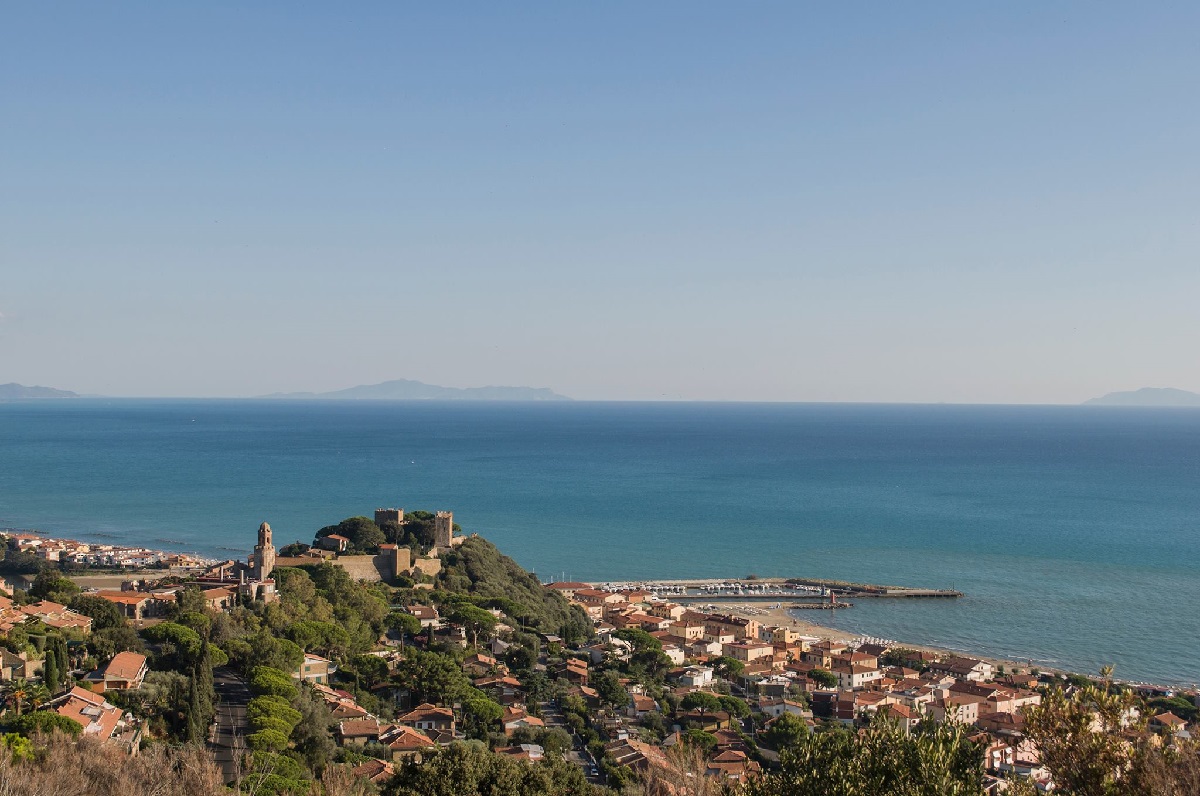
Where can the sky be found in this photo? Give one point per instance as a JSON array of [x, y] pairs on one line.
[[794, 201]]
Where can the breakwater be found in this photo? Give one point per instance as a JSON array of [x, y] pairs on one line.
[[771, 589]]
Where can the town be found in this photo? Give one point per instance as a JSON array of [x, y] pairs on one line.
[[397, 648]]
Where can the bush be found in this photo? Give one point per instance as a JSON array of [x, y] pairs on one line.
[[45, 722]]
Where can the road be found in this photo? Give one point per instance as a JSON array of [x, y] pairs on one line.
[[230, 720]]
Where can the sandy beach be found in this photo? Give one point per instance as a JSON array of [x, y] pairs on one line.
[[782, 616]]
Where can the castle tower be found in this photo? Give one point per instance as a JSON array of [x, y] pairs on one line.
[[443, 530], [264, 553]]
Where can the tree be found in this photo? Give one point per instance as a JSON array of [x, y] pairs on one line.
[[16, 694], [102, 612], [880, 760], [734, 706], [464, 768], [364, 535], [267, 741], [51, 585], [403, 623], [823, 678], [786, 730], [266, 681], [608, 685], [701, 701], [704, 741], [640, 639], [1081, 738], [50, 671], [727, 667], [480, 714], [474, 620], [311, 732]]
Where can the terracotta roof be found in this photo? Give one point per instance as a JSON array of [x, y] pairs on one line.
[[124, 597], [375, 770], [426, 712], [125, 666], [360, 728], [401, 738], [97, 716]]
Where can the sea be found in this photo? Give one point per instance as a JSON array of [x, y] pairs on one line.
[[1074, 532]]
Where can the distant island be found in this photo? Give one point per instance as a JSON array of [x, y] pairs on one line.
[[1147, 396], [409, 390], [19, 392]]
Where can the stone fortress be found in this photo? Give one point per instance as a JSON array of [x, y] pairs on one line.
[[389, 563]]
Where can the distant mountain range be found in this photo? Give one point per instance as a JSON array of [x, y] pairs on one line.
[[19, 392], [408, 390], [1147, 396]]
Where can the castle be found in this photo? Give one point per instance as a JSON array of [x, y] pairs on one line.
[[389, 563]]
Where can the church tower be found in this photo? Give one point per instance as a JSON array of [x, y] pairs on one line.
[[264, 553]]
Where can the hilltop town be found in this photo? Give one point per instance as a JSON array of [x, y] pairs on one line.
[[407, 655]]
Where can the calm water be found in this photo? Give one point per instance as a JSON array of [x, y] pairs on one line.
[[1075, 531]]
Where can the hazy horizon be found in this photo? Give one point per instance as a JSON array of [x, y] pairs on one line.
[[884, 204]]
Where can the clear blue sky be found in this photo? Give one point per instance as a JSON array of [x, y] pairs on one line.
[[751, 201]]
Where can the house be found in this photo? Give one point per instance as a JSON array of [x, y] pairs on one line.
[[1167, 722], [640, 705], [57, 616], [124, 672], [732, 764], [314, 669], [740, 627], [748, 652], [962, 708], [14, 666], [696, 676], [221, 598], [359, 732], [135, 605], [334, 542], [905, 717], [515, 718], [636, 755], [674, 653], [779, 635], [852, 677], [429, 717], [686, 631], [98, 717], [405, 743], [964, 668], [479, 664], [707, 721], [774, 706], [427, 615], [340, 703], [568, 588], [526, 752]]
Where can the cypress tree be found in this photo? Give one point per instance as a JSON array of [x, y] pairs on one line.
[[195, 720], [50, 670]]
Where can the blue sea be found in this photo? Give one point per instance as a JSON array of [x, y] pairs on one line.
[[1073, 531]]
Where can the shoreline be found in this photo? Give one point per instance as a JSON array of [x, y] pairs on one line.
[[759, 607]]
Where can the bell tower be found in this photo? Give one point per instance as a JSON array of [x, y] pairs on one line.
[[264, 553]]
